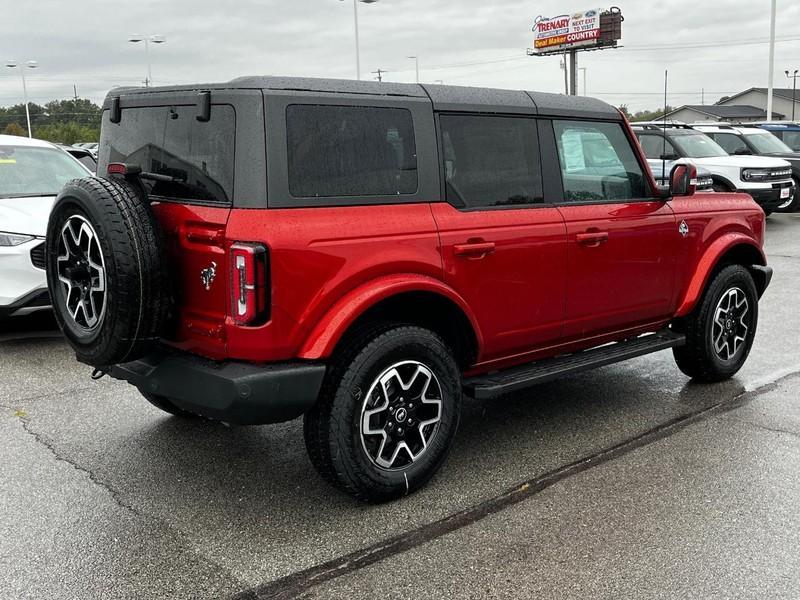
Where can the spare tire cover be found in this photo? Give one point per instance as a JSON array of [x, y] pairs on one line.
[[106, 271]]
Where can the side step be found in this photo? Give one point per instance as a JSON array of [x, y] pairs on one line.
[[517, 378]]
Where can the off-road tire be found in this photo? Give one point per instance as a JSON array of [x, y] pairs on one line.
[[332, 428], [698, 358], [165, 404], [137, 301]]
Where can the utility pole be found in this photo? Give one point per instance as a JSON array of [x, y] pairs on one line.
[[416, 64], [585, 93], [771, 58], [379, 74], [573, 75], [75, 91]]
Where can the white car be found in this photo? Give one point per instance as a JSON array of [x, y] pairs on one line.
[[32, 173], [768, 180]]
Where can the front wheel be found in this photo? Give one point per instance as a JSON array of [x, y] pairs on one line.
[[721, 329], [387, 414]]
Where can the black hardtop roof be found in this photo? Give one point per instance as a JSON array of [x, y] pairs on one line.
[[443, 97]]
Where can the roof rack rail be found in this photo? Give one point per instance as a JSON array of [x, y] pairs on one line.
[[660, 125]]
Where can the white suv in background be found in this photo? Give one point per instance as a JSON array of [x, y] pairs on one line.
[[768, 180], [32, 173]]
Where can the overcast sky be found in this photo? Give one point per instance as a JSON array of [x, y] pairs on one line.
[[461, 42]]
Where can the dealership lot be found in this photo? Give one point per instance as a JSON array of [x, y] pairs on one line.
[[101, 495]]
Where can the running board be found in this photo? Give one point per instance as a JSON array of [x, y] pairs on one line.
[[516, 378]]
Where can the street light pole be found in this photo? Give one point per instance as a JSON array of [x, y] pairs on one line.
[[156, 39], [31, 64], [793, 77], [355, 23], [771, 58], [416, 65]]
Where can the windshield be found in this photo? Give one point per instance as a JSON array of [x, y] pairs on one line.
[[698, 145], [31, 171], [766, 143]]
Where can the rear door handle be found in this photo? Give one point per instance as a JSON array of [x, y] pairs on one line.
[[476, 249], [592, 238]]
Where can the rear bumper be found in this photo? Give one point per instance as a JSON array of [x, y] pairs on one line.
[[770, 198], [234, 392]]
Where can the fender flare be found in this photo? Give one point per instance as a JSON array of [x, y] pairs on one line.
[[706, 265], [337, 319], [726, 181]]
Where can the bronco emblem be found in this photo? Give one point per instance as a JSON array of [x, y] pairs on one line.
[[207, 275], [683, 229]]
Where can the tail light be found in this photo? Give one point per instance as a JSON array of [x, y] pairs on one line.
[[249, 284]]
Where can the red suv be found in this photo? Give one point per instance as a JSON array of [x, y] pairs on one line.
[[363, 253]]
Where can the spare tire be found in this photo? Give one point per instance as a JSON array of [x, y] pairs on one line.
[[105, 270]]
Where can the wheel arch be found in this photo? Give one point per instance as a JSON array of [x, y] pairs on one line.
[[729, 249], [717, 178], [415, 300]]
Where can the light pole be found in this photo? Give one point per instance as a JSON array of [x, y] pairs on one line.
[[31, 64], [416, 65], [793, 77], [355, 20], [147, 39], [584, 78]]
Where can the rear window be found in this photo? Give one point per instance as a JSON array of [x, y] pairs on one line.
[[169, 140], [350, 151]]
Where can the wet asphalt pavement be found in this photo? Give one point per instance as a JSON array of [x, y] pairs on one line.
[[625, 482]]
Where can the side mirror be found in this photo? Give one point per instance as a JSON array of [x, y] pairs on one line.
[[683, 180], [741, 151]]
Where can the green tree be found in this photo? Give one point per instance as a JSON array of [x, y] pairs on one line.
[[66, 121], [14, 129]]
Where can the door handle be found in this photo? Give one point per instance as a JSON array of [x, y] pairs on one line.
[[592, 238], [474, 249]]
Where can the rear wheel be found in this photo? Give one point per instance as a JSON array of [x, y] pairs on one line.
[[387, 414], [721, 330]]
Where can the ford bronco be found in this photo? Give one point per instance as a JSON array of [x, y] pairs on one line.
[[363, 254]]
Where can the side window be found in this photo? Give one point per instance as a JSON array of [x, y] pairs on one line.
[[597, 162], [350, 151], [729, 142], [490, 160], [790, 138], [656, 145]]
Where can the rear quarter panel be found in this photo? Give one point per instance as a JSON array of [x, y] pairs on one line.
[[717, 222], [318, 255]]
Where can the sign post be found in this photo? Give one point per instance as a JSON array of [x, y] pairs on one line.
[[594, 29]]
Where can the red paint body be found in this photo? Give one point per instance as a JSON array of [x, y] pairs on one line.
[[533, 282]]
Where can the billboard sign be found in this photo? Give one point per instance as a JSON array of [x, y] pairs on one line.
[[565, 32]]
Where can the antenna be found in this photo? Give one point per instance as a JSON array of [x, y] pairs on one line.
[[664, 133]]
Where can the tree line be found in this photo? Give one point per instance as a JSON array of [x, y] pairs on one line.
[[63, 121], [645, 115]]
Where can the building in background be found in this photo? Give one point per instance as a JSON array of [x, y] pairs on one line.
[[757, 96], [712, 113]]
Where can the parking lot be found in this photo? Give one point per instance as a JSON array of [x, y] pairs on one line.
[[627, 481]]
